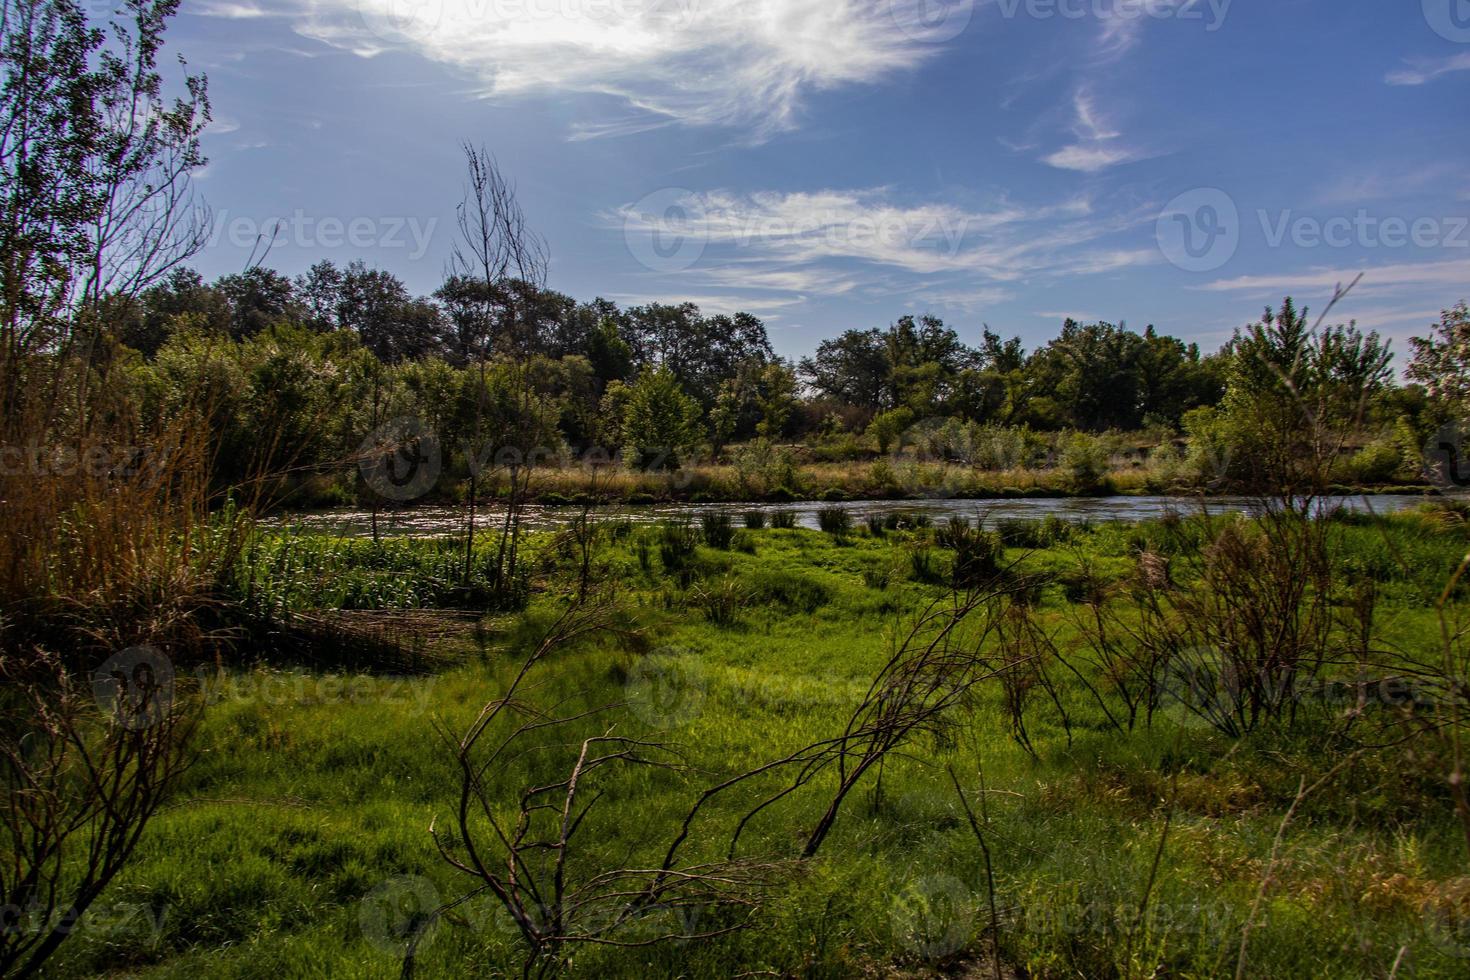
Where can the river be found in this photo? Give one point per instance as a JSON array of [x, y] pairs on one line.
[[429, 521]]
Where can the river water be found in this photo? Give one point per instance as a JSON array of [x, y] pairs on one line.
[[439, 521]]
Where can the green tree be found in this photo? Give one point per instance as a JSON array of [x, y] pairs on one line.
[[1441, 361], [661, 424]]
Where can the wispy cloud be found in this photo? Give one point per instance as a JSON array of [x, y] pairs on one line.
[[1421, 71], [1098, 145], [1002, 243], [766, 307], [229, 9], [1453, 273], [725, 62]]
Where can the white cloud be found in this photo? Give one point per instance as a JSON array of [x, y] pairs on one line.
[[1424, 70], [761, 306], [1097, 147], [1088, 159], [1454, 273], [229, 10], [726, 62], [790, 231]]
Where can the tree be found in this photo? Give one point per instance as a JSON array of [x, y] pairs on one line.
[[661, 424], [495, 245], [1296, 394], [319, 290], [181, 298], [95, 167], [391, 323], [851, 368], [887, 428], [259, 298], [1441, 361], [777, 400]]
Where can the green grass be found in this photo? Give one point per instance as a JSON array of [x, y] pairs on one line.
[[308, 808]]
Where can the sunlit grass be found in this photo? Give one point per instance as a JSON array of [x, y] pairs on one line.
[[313, 790]]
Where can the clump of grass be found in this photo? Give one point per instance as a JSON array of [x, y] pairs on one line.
[[718, 529], [901, 521], [978, 557], [743, 542], [784, 519], [1045, 533], [956, 530], [677, 544], [836, 521], [790, 590], [722, 602], [876, 525], [755, 520], [922, 565]]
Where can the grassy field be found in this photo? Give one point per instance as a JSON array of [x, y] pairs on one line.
[[300, 845]]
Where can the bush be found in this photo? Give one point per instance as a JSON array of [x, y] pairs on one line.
[[718, 529], [677, 544], [922, 566], [836, 521], [755, 519], [1377, 462], [785, 519], [875, 525], [1084, 460]]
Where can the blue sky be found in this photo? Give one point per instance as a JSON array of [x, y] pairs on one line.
[[828, 164]]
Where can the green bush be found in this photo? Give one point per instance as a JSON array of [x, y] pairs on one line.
[[718, 529], [836, 521]]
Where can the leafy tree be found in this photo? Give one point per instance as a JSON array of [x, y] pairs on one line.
[[259, 298], [661, 424], [1441, 361], [391, 323], [887, 428], [777, 400], [95, 168], [1296, 394], [610, 355]]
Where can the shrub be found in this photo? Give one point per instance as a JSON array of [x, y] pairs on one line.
[[875, 525], [677, 544], [783, 519], [755, 519], [718, 529], [922, 566], [836, 521]]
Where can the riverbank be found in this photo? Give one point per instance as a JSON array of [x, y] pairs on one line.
[[889, 479]]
